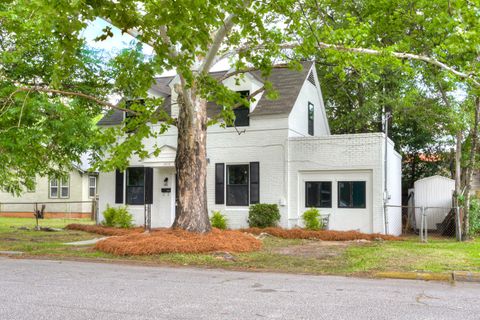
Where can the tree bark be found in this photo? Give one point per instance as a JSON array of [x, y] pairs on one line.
[[191, 162], [469, 170], [458, 154]]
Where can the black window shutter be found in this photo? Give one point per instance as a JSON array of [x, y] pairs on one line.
[[119, 186], [254, 182], [148, 185], [219, 183]]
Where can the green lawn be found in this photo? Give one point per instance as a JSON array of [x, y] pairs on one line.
[[277, 254]]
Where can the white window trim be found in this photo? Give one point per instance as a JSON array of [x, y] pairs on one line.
[[50, 187], [94, 187], [60, 185], [64, 186]]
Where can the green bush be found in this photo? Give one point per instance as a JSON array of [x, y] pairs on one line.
[[117, 217], [474, 218], [263, 215], [218, 220], [312, 220]]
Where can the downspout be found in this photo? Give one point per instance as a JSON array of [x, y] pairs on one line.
[[386, 196]]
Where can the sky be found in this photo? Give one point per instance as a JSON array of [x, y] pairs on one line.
[[121, 41]]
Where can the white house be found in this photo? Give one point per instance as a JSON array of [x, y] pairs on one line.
[[70, 197], [285, 155]]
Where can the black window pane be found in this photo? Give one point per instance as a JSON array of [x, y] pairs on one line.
[[358, 194], [237, 195], [310, 119], [135, 177], [135, 186], [238, 174], [135, 195], [241, 117], [237, 185], [352, 194], [318, 194]]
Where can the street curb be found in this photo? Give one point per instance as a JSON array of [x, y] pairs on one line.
[[466, 276], [461, 276]]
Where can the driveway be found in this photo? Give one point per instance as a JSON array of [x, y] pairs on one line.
[[39, 289]]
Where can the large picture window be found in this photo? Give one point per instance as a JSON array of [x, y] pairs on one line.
[[135, 186], [318, 194], [352, 194], [237, 185]]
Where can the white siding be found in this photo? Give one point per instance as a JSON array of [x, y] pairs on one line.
[[77, 192], [298, 119], [394, 183]]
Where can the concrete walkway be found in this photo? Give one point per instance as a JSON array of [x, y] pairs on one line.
[[39, 289], [85, 242]]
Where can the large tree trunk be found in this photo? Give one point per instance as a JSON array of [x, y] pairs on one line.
[[191, 163], [470, 168]]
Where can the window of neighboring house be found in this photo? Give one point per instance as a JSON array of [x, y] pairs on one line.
[[59, 188], [92, 186], [53, 188], [310, 118], [242, 118], [135, 186], [318, 194], [237, 185], [352, 194]]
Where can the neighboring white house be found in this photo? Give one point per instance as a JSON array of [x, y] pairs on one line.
[[70, 197], [285, 155]]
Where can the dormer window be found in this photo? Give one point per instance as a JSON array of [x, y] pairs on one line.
[[242, 118], [131, 115]]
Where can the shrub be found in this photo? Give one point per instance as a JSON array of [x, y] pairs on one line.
[[312, 220], [218, 220], [117, 217], [474, 216], [263, 215]]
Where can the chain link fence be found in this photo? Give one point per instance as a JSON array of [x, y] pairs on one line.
[[51, 209], [429, 222]]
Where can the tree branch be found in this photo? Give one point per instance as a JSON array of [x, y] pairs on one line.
[[399, 55], [217, 41], [74, 94]]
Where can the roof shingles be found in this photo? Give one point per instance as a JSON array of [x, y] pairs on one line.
[[287, 82]]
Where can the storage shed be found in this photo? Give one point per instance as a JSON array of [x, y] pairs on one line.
[[435, 194]]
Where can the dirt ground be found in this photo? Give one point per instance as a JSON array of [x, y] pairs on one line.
[[318, 249]]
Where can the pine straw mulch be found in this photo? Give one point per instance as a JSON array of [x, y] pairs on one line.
[[106, 231], [326, 235], [179, 241]]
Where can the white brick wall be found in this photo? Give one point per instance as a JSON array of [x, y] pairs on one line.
[[339, 157]]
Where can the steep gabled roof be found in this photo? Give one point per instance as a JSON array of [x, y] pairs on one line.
[[287, 82]]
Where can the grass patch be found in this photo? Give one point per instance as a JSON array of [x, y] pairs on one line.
[[351, 259]]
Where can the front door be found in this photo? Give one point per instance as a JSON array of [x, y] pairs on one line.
[[163, 208]]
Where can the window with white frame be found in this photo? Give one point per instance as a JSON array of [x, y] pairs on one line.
[[59, 188], [92, 186]]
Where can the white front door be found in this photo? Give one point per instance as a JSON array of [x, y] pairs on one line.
[[163, 208]]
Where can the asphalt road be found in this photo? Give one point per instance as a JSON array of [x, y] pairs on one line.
[[36, 289]]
